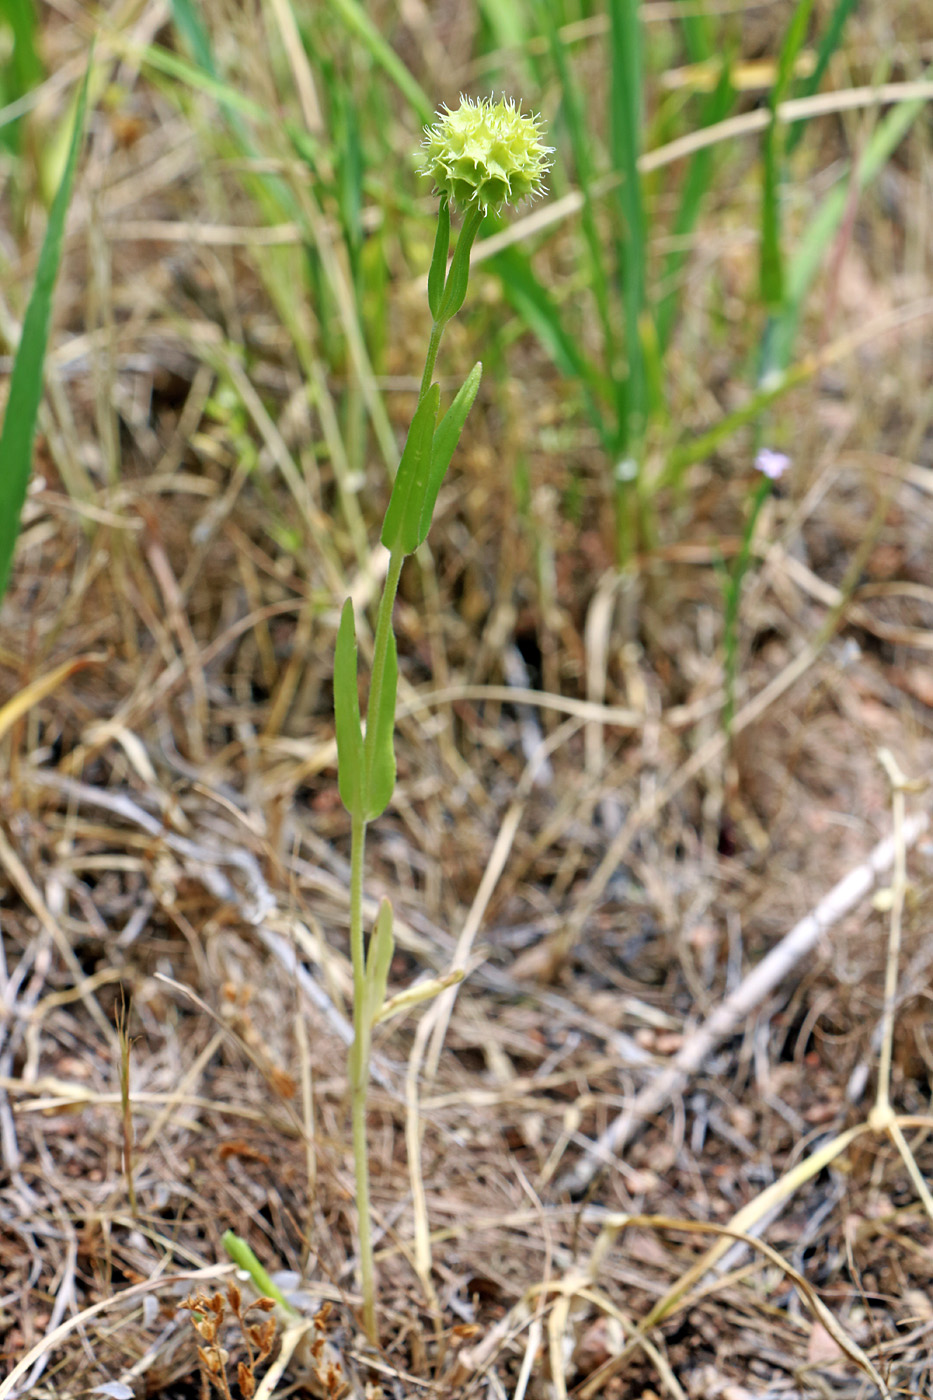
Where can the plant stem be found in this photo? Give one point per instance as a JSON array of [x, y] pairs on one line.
[[359, 1056], [434, 344], [360, 1050], [359, 1074]]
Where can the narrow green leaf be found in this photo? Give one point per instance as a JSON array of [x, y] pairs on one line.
[[403, 516], [803, 268], [538, 309], [625, 128], [445, 441], [379, 781], [694, 188], [459, 277], [22, 406], [347, 714], [827, 47], [378, 961], [191, 27], [437, 275], [164, 61], [771, 260], [580, 132], [23, 72], [359, 23]]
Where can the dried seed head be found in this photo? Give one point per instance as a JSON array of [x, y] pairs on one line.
[[485, 154], [262, 1304], [214, 1359]]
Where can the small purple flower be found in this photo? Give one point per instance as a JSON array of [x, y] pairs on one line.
[[772, 464]]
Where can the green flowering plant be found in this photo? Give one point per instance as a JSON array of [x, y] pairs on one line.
[[479, 156]]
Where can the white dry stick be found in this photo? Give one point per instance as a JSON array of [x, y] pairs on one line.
[[723, 1022]]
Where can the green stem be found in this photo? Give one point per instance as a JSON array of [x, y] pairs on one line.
[[434, 344], [359, 1057], [359, 1074], [362, 1038]]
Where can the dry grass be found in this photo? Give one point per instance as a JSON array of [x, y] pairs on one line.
[[171, 839]]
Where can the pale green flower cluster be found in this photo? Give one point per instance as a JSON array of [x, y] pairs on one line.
[[485, 154]]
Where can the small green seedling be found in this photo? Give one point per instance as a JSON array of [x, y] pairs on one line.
[[479, 156]]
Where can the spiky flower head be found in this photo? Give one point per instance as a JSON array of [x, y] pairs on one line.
[[485, 154]]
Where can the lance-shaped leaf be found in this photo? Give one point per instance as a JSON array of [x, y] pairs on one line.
[[403, 517], [347, 714], [413, 996], [379, 780], [445, 440], [378, 960], [458, 279], [437, 275]]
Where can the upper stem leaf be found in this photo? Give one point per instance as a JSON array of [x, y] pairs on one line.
[[438, 271], [403, 517], [379, 781], [445, 441], [347, 715]]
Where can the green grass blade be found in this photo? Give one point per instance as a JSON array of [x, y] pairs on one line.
[[581, 145], [827, 47], [625, 119], [22, 407], [537, 308], [192, 29], [359, 23], [806, 263], [801, 272], [505, 23], [771, 264], [23, 71], [698, 36], [200, 80], [696, 185]]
